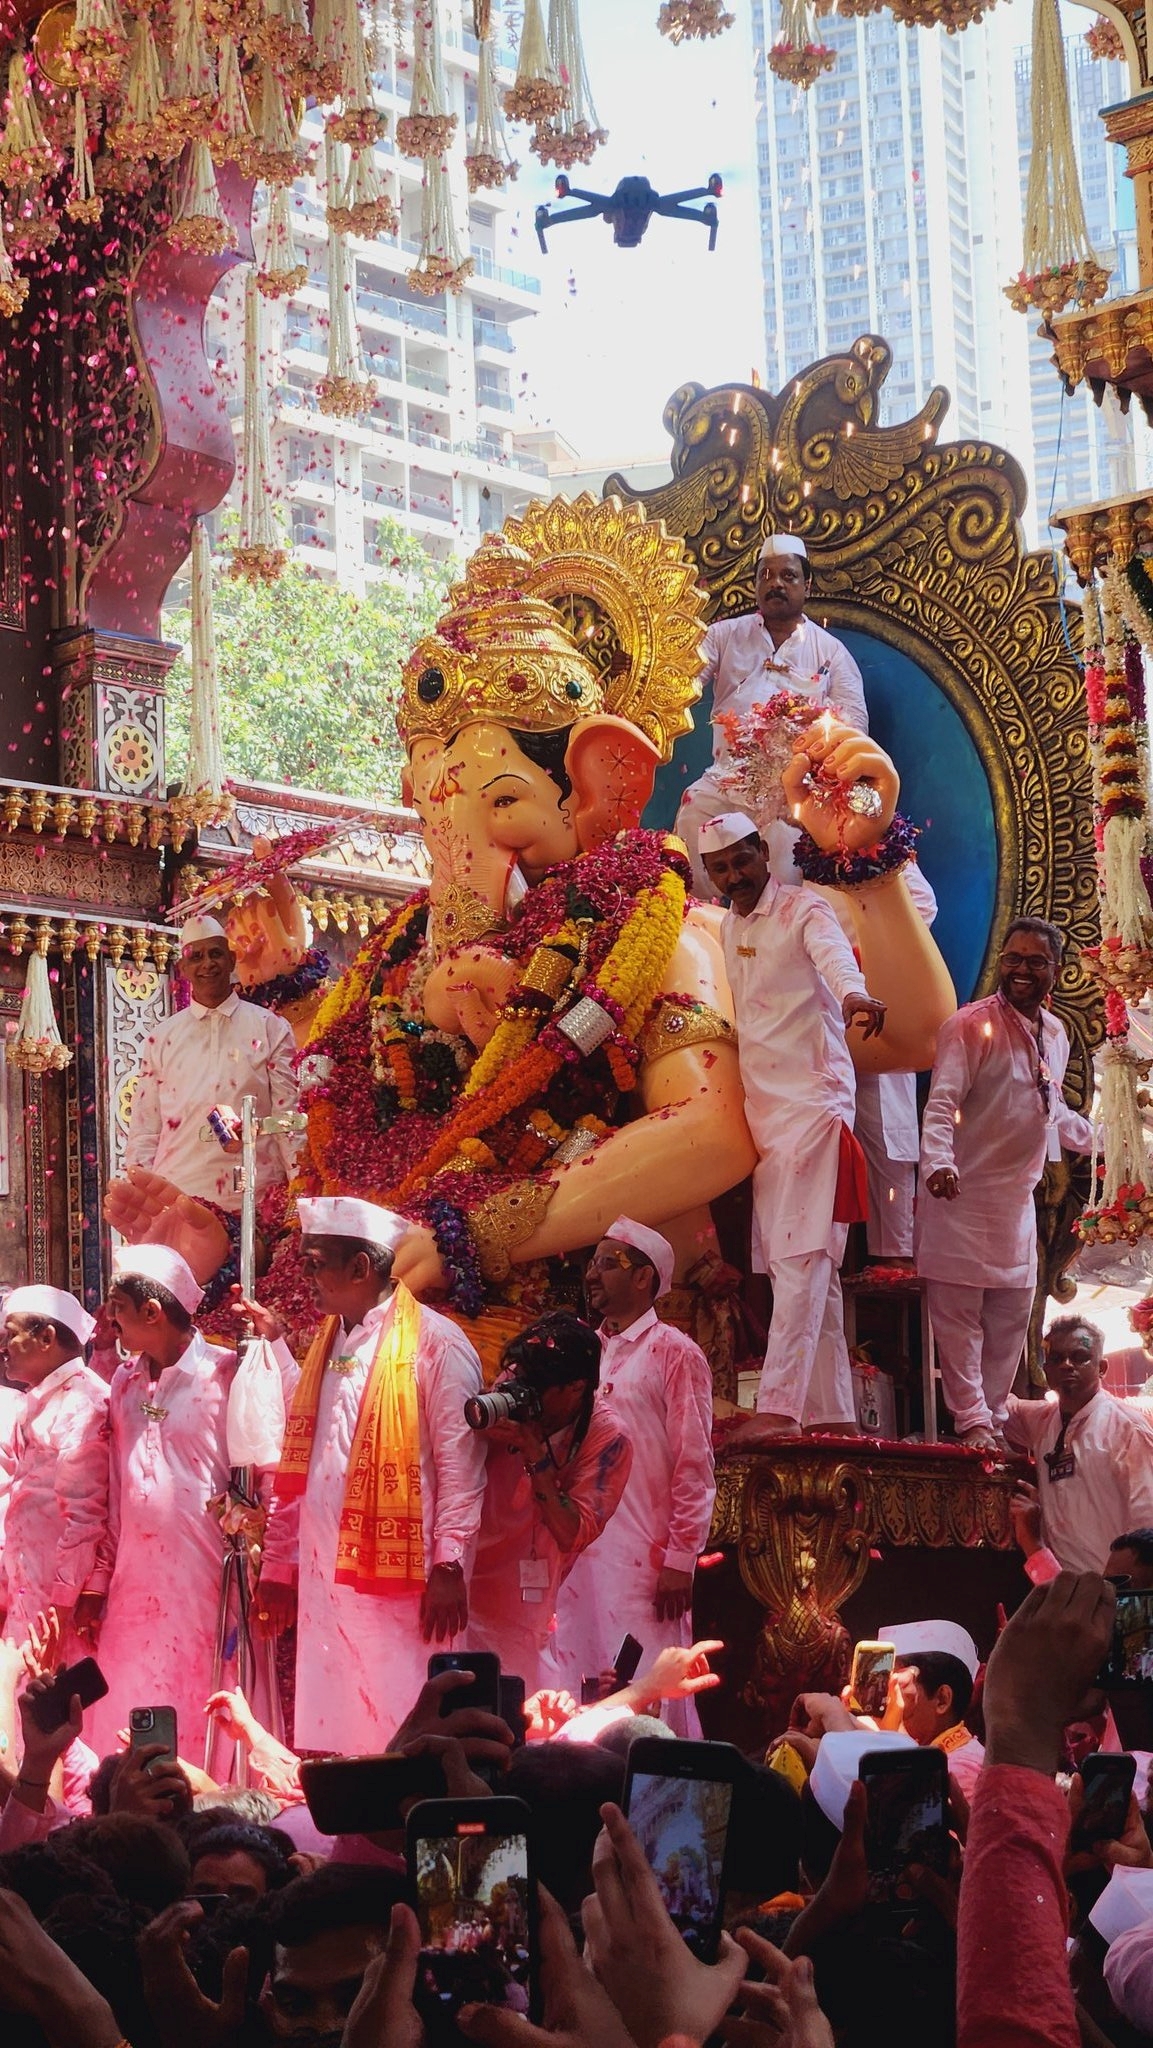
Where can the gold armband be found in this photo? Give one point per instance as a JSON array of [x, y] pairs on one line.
[[675, 1022], [506, 1220]]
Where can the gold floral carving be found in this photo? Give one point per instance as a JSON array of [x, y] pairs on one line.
[[803, 1522], [803, 1550], [1109, 344], [1111, 529], [916, 542]]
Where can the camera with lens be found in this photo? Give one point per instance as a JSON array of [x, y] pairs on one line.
[[514, 1402]]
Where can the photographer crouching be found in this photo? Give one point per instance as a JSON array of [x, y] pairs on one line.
[[557, 1465]]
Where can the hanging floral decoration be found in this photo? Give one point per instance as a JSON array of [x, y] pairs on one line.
[[37, 1047], [951, 15], [488, 160], [83, 201], [199, 221], [536, 94], [574, 136], [258, 556], [798, 56], [1104, 40], [98, 46], [441, 264], [1059, 268], [281, 273], [428, 127], [685, 21], [346, 391], [360, 204], [26, 155], [205, 798], [1123, 963]]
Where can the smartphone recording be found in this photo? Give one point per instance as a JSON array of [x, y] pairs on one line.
[[679, 1804], [469, 1865], [1130, 1659]]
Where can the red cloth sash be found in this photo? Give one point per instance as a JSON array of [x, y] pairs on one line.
[[851, 1200]]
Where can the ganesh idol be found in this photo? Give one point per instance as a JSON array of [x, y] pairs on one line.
[[544, 1040]]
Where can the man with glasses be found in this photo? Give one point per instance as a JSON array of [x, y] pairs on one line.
[[995, 1114], [637, 1578]]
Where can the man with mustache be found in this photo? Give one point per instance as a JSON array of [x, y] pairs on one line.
[[995, 1113], [747, 660]]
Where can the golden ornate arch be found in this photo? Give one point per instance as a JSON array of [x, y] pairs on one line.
[[918, 543]]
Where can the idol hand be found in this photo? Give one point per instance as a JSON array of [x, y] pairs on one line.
[[842, 756]]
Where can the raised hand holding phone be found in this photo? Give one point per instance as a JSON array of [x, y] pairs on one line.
[[655, 1981]]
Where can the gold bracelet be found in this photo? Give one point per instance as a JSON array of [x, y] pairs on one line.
[[503, 1221]]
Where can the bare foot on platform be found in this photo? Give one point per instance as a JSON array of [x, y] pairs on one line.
[[850, 1429], [979, 1440], [756, 1432]]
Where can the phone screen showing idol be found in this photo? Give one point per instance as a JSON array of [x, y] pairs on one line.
[[682, 1825], [476, 1923]]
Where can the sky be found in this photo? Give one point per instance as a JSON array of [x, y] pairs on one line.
[[620, 329]]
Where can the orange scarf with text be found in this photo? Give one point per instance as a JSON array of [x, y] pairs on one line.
[[380, 1546]]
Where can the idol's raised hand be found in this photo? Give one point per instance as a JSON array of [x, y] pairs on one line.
[[835, 769]]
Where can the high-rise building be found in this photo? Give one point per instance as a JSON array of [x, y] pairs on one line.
[[439, 450], [891, 202]]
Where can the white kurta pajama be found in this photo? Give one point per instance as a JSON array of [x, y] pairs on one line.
[[360, 1657], [656, 1383], [790, 968], [160, 1556], [745, 669], [985, 1119], [51, 1459], [199, 1058]]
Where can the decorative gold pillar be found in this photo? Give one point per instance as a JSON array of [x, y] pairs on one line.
[[1131, 125]]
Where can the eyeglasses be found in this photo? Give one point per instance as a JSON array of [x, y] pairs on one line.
[[1038, 961], [603, 1262]]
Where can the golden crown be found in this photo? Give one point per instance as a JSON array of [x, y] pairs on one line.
[[503, 650]]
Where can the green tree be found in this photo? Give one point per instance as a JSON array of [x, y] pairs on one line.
[[308, 673]]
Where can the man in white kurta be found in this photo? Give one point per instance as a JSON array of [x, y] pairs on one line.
[[49, 1543], [152, 1599], [747, 660], [796, 988], [362, 1657], [995, 1113], [1093, 1455], [637, 1578], [213, 1053]]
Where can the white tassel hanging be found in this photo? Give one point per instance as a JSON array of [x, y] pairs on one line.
[[204, 798], [361, 205], [358, 123], [1126, 1158], [258, 557], [574, 136], [37, 1047], [684, 21], [440, 266], [98, 46], [330, 43], [282, 272], [489, 161], [199, 222], [1059, 267], [798, 56], [83, 201], [190, 105], [13, 287], [143, 129], [347, 392], [283, 38], [26, 155], [428, 127], [537, 94], [274, 153], [232, 136]]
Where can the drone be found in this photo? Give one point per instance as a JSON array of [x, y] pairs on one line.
[[630, 208]]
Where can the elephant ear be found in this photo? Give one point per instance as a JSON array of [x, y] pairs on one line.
[[611, 766]]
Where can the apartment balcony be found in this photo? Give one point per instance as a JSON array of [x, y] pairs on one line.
[[382, 307], [489, 457], [487, 336], [518, 288], [494, 401]]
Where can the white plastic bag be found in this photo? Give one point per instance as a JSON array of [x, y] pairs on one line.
[[256, 1416]]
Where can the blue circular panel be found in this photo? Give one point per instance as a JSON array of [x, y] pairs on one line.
[[944, 790]]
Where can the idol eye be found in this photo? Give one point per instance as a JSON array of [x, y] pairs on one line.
[[430, 686]]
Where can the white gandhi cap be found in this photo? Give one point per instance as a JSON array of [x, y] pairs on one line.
[[160, 1263], [783, 544], [198, 928], [55, 1306], [915, 1639], [656, 1249], [345, 1216], [727, 830], [838, 1765]]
